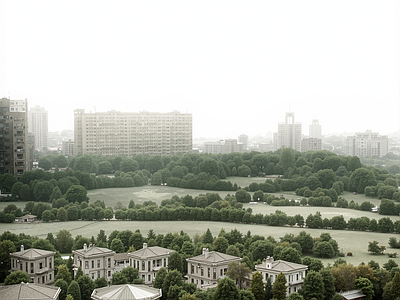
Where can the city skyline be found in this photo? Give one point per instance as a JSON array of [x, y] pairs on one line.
[[238, 68]]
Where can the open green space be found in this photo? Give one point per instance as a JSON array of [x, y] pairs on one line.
[[349, 241]]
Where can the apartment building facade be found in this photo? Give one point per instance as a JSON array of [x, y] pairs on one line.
[[68, 148], [123, 133], [294, 273], [95, 262], [311, 144], [289, 133], [366, 144], [14, 154], [206, 269], [223, 147], [38, 125], [39, 264], [149, 260]]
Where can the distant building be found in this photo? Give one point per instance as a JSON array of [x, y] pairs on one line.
[[315, 130], [149, 260], [311, 144], [38, 124], [266, 147], [68, 148], [123, 133], [39, 264], [25, 291], [289, 134], [223, 147], [206, 269], [14, 154], [244, 139], [294, 273], [95, 262], [366, 144]]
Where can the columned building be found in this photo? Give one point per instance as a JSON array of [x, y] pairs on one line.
[[366, 144], [289, 133], [124, 133], [14, 154], [38, 124]]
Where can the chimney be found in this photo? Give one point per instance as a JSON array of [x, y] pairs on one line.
[[144, 245], [206, 253], [268, 262], [22, 248], [84, 247]]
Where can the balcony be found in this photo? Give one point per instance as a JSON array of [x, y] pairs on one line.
[[42, 270]]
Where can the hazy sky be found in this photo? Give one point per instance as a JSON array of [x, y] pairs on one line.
[[237, 66]]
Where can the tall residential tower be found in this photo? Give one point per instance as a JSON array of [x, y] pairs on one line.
[[289, 133], [38, 124]]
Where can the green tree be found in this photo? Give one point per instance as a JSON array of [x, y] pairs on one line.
[[44, 163], [175, 262], [238, 272], [86, 286], [242, 196], [226, 290], [246, 295], [63, 273], [360, 179], [366, 287], [207, 238], [279, 287], [257, 286], [172, 278], [62, 214], [295, 296], [74, 290], [63, 285], [160, 276], [118, 278], [395, 288], [374, 248], [100, 282], [76, 193], [17, 277], [220, 244], [329, 283], [286, 159], [117, 246], [313, 286], [78, 274], [64, 241]]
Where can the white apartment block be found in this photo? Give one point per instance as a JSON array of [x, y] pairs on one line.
[[223, 147], [366, 144], [38, 124], [125, 133], [294, 273], [289, 134], [311, 144]]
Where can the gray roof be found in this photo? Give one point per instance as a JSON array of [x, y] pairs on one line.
[[214, 257], [29, 291], [150, 252], [32, 254], [94, 251], [126, 292], [282, 266], [354, 294]]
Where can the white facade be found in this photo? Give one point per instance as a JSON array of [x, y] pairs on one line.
[[120, 133], [223, 147], [311, 144], [289, 134], [68, 148], [294, 273], [244, 139], [38, 124], [366, 144], [315, 130]]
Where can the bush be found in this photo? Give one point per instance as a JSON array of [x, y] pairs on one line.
[[349, 254]]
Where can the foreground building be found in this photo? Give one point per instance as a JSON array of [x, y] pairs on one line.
[[122, 133], [366, 144], [39, 264], [95, 262], [25, 291], [294, 273], [126, 292], [14, 154], [149, 260], [206, 269]]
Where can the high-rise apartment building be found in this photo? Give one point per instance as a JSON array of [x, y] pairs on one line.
[[315, 129], [125, 133], [38, 124], [68, 148], [14, 154], [311, 144], [244, 139], [366, 144], [289, 133], [223, 147]]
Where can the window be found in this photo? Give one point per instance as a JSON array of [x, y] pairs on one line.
[[49, 276], [109, 262], [92, 276], [98, 263], [214, 273], [92, 264], [143, 265], [209, 272], [191, 269], [202, 272], [109, 273], [149, 277], [98, 274], [86, 265], [32, 268], [40, 266]]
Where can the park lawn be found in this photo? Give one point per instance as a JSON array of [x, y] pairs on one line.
[[349, 241]]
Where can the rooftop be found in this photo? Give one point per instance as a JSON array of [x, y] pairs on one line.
[[32, 253], [213, 257], [126, 291], [29, 291], [148, 252], [93, 251]]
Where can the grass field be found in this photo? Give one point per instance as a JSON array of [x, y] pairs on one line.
[[353, 241]]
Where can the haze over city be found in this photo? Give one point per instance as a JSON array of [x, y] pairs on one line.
[[238, 67]]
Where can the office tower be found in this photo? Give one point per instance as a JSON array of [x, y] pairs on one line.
[[38, 124], [126, 133], [14, 155], [315, 129], [366, 144], [289, 133], [244, 139]]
